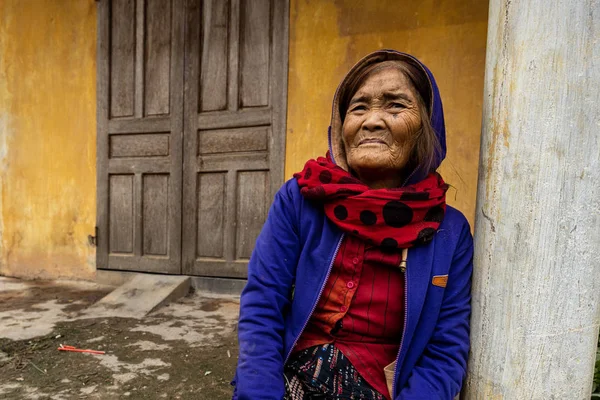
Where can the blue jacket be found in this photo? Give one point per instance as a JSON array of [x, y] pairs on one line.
[[289, 267]]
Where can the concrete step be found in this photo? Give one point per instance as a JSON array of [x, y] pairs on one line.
[[140, 295], [202, 284]]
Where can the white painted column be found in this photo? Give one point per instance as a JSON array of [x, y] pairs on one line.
[[536, 285]]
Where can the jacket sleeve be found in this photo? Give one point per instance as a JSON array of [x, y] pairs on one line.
[[440, 371], [264, 300]]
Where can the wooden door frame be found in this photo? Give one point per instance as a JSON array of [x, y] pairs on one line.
[[278, 94]]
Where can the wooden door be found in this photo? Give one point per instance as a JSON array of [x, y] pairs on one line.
[[235, 103], [140, 126]]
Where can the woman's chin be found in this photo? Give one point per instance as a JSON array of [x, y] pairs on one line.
[[370, 160]]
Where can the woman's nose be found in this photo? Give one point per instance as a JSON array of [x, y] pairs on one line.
[[373, 121]]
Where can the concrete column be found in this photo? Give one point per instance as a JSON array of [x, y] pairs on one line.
[[536, 289]]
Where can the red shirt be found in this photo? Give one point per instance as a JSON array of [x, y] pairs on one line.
[[361, 310]]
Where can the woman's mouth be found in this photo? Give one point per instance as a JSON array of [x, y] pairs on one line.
[[371, 141]]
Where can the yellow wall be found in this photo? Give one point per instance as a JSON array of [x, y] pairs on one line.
[[47, 138], [328, 36], [48, 102]]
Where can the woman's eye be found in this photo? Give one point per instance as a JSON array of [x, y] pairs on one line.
[[397, 105], [358, 108]]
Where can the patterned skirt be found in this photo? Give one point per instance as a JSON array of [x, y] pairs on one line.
[[323, 372]]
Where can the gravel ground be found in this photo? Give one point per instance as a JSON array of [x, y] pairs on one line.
[[185, 350]]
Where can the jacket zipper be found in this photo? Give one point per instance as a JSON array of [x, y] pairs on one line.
[[318, 298], [404, 328]]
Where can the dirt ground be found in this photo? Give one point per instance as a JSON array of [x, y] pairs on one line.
[[185, 350]]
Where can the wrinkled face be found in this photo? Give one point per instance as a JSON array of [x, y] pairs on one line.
[[382, 122]]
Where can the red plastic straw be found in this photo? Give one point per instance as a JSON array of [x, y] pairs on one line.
[[76, 350]]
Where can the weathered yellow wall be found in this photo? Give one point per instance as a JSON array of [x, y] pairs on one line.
[[47, 138], [328, 36], [48, 102]]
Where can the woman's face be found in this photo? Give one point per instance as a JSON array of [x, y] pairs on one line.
[[381, 123]]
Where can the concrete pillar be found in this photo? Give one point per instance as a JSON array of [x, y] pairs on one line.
[[536, 288]]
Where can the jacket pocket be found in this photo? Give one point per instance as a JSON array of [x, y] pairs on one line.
[[440, 280]]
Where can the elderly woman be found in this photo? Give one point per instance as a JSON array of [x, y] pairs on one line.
[[359, 285]]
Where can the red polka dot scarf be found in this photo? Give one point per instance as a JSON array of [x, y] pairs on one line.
[[391, 218]]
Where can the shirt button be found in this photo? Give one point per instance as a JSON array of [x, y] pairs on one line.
[[343, 308], [350, 285], [355, 261]]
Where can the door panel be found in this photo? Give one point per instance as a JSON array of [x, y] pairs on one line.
[[157, 61], [252, 198], [122, 57], [121, 214], [214, 141], [213, 69], [140, 127], [233, 139], [212, 190], [155, 205], [255, 53], [139, 145]]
